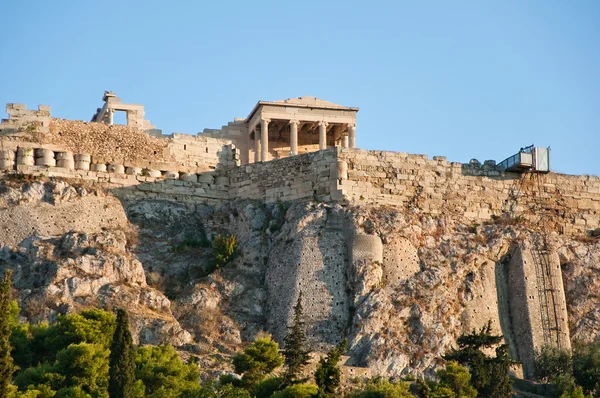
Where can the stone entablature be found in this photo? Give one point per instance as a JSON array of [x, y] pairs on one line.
[[112, 104]]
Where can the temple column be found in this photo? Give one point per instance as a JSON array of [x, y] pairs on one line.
[[111, 116], [323, 135], [256, 146], [352, 135], [264, 140], [344, 141], [294, 136]]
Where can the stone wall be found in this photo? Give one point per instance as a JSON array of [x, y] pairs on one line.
[[199, 153], [312, 261], [301, 177], [22, 119], [237, 133], [570, 204], [538, 309], [469, 192]]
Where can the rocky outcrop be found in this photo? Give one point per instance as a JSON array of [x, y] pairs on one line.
[[400, 285]]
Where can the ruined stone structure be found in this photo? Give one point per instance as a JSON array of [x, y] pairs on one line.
[[326, 167], [112, 104]]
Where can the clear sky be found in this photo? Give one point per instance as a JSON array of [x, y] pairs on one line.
[[463, 79]]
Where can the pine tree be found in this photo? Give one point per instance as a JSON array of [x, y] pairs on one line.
[[328, 374], [296, 356], [122, 360], [6, 361]]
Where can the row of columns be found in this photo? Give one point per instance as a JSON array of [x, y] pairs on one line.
[[261, 145]]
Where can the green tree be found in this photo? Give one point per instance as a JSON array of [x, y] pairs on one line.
[[217, 390], [489, 375], [586, 366], [297, 391], [6, 361], [93, 326], [122, 359], [163, 374], [328, 373], [551, 362], [296, 356], [84, 366], [380, 388], [257, 361], [267, 387], [455, 382], [576, 392]]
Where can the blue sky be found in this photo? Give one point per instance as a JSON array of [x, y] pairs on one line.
[[463, 79]]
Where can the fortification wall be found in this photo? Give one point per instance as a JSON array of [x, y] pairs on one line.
[[315, 263], [469, 192], [303, 177], [537, 303]]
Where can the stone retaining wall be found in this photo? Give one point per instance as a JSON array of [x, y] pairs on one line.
[[470, 192], [349, 176]]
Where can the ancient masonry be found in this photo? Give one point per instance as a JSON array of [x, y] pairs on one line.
[[303, 149]]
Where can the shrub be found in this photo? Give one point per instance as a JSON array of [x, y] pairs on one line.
[[552, 362], [224, 249], [380, 388], [297, 391], [258, 360]]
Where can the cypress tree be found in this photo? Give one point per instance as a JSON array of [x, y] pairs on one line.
[[122, 360], [6, 361], [296, 356]]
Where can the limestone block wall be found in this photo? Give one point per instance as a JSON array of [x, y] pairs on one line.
[[20, 118], [200, 153], [237, 133], [470, 192], [303, 177]]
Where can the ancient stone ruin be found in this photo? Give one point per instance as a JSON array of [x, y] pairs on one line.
[[303, 149]]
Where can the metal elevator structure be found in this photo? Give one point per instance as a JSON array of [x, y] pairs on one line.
[[529, 159]]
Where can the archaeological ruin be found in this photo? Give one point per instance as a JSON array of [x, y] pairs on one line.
[[304, 149]]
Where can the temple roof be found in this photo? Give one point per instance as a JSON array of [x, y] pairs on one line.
[[307, 102], [303, 102]]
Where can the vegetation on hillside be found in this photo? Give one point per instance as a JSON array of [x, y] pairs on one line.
[[91, 355]]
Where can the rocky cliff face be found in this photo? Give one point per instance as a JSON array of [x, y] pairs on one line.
[[400, 286]]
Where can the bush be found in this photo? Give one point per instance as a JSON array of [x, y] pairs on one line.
[[380, 388], [297, 391], [224, 248], [586, 366], [163, 373], [268, 387], [258, 360], [552, 362]]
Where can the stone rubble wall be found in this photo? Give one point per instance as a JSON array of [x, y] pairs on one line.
[[471, 192], [313, 261]]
